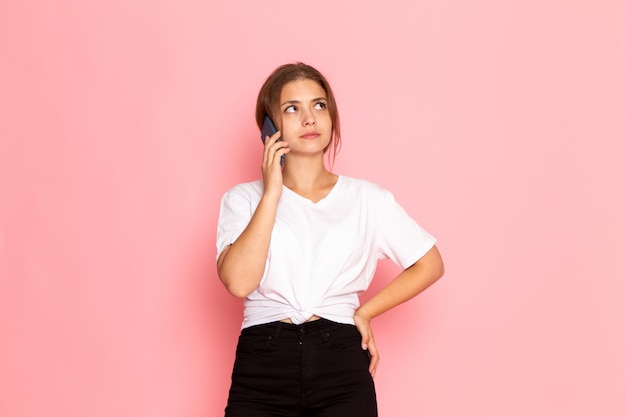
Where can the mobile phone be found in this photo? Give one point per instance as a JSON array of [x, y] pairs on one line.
[[268, 130]]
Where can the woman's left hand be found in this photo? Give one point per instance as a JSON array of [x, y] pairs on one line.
[[362, 321]]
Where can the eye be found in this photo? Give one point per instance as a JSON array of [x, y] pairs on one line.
[[290, 109], [320, 105]]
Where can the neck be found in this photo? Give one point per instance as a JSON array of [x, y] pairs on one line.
[[308, 178]]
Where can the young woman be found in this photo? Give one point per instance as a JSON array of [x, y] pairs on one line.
[[299, 246]]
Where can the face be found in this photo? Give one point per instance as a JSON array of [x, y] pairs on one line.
[[305, 119]]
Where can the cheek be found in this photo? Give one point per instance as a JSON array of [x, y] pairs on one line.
[[327, 120], [289, 129], [289, 121]]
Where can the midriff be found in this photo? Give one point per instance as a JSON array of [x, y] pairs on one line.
[[313, 318]]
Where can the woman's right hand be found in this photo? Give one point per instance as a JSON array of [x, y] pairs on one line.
[[272, 170]]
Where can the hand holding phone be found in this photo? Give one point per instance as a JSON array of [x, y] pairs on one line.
[[268, 130]]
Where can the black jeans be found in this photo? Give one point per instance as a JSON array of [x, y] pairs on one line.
[[312, 369]]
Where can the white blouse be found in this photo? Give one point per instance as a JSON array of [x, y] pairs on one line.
[[322, 255]]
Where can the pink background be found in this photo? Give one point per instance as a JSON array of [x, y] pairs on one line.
[[499, 125]]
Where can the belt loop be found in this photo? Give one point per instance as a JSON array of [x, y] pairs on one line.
[[324, 333], [277, 332], [274, 338]]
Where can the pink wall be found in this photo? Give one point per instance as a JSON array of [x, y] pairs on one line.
[[500, 126]]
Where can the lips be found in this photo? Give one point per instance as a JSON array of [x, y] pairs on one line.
[[310, 135]]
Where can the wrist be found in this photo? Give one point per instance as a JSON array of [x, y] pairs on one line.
[[270, 199], [363, 313]]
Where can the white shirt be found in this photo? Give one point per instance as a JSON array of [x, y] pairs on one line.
[[322, 255]]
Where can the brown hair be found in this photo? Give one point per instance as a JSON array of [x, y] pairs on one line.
[[269, 96]]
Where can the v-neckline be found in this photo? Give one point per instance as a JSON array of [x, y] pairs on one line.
[[321, 200]]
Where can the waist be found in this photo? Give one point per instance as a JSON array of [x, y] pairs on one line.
[[319, 326], [259, 311], [288, 320]]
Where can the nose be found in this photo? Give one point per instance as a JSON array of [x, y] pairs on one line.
[[308, 118]]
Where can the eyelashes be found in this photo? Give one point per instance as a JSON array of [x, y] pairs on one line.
[[319, 105]]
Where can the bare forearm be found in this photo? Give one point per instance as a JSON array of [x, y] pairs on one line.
[[405, 286], [241, 265]]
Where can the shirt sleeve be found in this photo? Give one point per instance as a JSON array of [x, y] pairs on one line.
[[399, 237], [236, 210]]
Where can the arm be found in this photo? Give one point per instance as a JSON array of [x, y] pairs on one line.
[[410, 282], [240, 266]]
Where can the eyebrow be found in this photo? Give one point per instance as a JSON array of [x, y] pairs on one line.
[[298, 101]]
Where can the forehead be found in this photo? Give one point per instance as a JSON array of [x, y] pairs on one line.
[[301, 90]]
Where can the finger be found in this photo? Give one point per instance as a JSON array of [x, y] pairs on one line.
[[365, 340], [270, 140], [274, 149], [281, 151], [374, 359], [365, 337]]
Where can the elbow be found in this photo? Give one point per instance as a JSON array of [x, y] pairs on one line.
[[237, 282], [238, 291], [433, 263], [235, 286], [441, 269]]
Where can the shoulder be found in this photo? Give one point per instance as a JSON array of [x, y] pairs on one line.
[[246, 189], [363, 187]]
